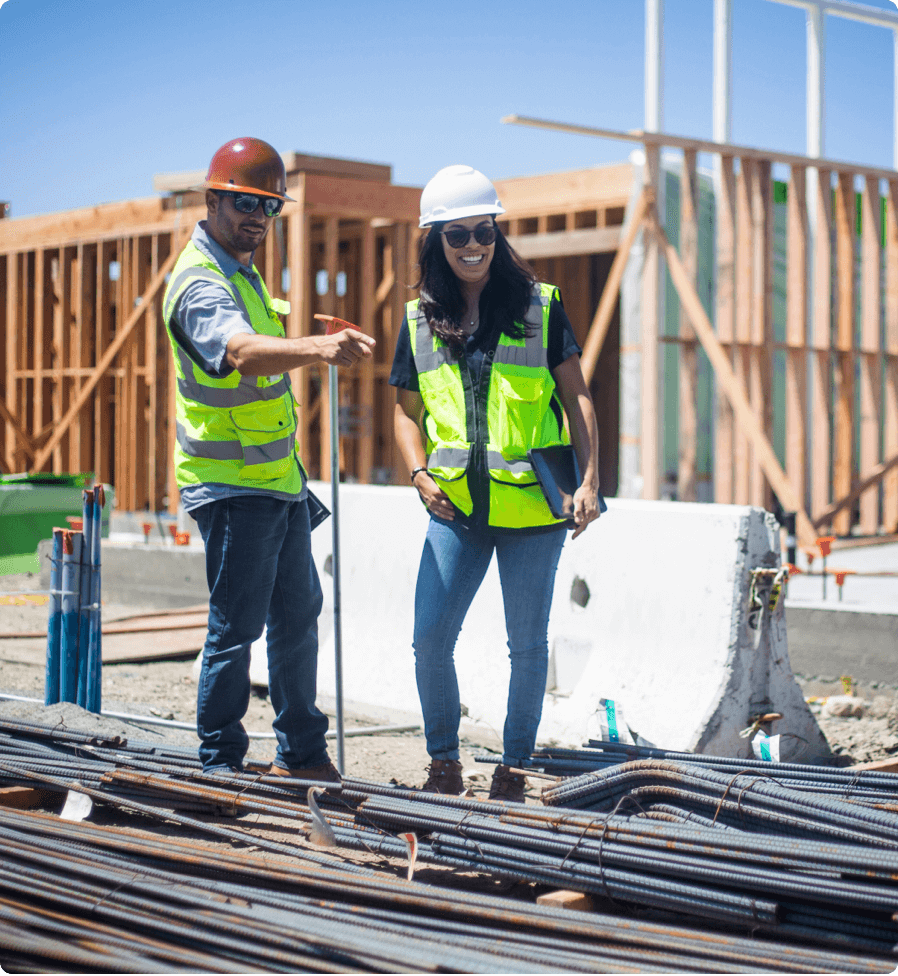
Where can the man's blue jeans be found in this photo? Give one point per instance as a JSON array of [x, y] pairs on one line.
[[260, 571], [452, 568]]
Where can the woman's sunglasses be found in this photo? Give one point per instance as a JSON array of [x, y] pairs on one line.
[[457, 237], [247, 203]]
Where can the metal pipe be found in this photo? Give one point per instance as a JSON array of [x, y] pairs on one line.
[[54, 623], [71, 566], [335, 560]]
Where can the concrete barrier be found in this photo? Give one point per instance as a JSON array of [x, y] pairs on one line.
[[650, 609]]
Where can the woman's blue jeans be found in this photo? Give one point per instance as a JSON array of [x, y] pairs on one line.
[[260, 571], [453, 565]]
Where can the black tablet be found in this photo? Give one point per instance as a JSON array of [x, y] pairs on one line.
[[558, 474]]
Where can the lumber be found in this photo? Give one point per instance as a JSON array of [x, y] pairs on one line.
[[735, 393], [875, 476], [601, 321], [870, 375], [111, 352], [687, 448], [821, 438], [726, 325], [572, 900], [650, 425], [796, 330], [843, 420], [890, 406]]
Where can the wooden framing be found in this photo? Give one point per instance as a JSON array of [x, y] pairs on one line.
[[88, 383]]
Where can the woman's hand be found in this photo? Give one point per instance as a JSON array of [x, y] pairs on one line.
[[586, 508], [434, 498]]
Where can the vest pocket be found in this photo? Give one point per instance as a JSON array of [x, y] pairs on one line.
[[521, 403], [266, 432]]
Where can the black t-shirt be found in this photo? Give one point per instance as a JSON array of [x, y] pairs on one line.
[[562, 345]]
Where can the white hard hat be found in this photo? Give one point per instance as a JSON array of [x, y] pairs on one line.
[[456, 192]]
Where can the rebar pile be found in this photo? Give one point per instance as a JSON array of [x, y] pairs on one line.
[[861, 786], [76, 895]]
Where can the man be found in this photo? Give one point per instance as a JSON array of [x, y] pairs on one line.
[[238, 469]]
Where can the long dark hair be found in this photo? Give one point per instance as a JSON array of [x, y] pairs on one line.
[[505, 299]]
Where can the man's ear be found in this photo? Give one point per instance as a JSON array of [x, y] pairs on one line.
[[212, 201]]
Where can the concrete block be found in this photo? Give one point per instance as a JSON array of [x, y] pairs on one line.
[[828, 640]]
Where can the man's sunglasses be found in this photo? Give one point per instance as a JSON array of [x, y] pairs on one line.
[[457, 237], [247, 203]]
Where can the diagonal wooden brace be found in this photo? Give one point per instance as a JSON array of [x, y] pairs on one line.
[[595, 338], [26, 442], [112, 351]]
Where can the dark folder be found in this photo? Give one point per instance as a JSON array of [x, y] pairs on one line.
[[317, 510], [558, 474]]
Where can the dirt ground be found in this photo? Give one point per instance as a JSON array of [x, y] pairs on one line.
[[167, 690]]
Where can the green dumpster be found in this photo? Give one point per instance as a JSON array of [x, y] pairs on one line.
[[31, 505]]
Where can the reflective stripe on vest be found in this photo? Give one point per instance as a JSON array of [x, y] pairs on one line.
[[236, 429]]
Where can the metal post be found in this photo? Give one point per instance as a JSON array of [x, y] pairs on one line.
[[335, 559], [54, 623]]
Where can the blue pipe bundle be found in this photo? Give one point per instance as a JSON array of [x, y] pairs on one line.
[[74, 654]]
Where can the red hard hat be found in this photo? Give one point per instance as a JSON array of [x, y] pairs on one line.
[[248, 166]]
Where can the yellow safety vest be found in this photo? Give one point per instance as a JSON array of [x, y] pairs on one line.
[[234, 430], [488, 434]]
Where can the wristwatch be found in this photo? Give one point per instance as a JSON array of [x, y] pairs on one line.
[[421, 467]]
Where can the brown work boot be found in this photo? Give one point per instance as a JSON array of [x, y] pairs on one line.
[[507, 787], [444, 776], [325, 773]]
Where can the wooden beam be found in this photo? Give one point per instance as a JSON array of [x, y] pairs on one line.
[[109, 355], [734, 391], [567, 192], [873, 478], [724, 436], [687, 448], [796, 329], [21, 434], [384, 288], [366, 442], [566, 243], [655, 139], [890, 406], [650, 440], [742, 350], [843, 434], [870, 373], [601, 321], [761, 364], [13, 280], [821, 392]]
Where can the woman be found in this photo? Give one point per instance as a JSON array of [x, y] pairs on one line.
[[485, 360]]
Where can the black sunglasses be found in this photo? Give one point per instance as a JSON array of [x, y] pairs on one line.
[[459, 236], [247, 203]]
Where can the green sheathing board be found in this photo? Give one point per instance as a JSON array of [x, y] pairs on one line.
[[670, 352]]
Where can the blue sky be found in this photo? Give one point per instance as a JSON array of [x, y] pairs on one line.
[[96, 96]]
